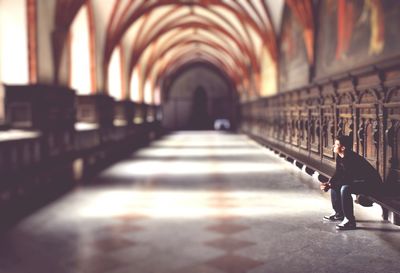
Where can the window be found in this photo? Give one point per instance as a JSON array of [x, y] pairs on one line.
[[81, 72]]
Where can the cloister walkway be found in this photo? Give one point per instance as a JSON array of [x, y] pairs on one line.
[[198, 202]]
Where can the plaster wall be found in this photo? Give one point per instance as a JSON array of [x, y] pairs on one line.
[[178, 105], [101, 13], [45, 26], [13, 42]]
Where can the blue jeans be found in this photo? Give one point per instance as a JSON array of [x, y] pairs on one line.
[[342, 201]]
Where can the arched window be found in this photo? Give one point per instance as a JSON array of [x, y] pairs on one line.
[[82, 72], [148, 92], [14, 54], [2, 110], [17, 45], [134, 90], [157, 95], [115, 88]]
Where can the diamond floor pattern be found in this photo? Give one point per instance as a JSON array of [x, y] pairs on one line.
[[197, 202]]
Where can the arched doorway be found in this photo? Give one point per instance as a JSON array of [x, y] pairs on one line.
[[196, 96], [199, 117]]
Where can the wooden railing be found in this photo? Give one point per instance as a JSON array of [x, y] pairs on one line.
[[45, 143]]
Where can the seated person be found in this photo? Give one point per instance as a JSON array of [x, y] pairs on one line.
[[353, 175]]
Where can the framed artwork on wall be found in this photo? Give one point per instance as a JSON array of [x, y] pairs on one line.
[[294, 69], [356, 33]]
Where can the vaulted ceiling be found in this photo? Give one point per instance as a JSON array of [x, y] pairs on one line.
[[160, 36]]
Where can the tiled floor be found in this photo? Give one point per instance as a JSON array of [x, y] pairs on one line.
[[202, 202]]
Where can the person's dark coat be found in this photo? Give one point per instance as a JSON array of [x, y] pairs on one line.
[[355, 169]]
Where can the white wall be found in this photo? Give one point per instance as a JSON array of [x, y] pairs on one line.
[[177, 110], [14, 68], [185, 85], [63, 78]]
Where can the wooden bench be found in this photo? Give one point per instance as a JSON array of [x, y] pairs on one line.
[[390, 207], [390, 203]]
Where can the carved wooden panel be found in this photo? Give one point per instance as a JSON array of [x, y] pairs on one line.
[[19, 150], [303, 119], [281, 119], [264, 117], [124, 111], [345, 114], [95, 109], [258, 115], [314, 129], [275, 118], [392, 135], [39, 107], [328, 123], [295, 119], [253, 118], [362, 104], [367, 126], [287, 118]]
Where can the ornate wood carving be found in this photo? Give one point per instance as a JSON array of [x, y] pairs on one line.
[[392, 135], [368, 126], [344, 114], [365, 107], [328, 121]]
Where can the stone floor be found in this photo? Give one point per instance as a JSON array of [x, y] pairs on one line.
[[198, 202]]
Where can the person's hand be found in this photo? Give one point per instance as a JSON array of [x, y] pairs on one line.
[[325, 186]]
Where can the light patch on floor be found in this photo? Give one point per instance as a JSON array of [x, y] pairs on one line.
[[198, 202]]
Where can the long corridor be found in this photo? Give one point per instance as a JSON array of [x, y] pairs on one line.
[[198, 202]]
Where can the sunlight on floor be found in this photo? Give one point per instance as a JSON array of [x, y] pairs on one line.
[[154, 168], [208, 157], [198, 204], [193, 152]]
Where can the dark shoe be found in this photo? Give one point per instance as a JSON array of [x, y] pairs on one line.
[[333, 218], [346, 225]]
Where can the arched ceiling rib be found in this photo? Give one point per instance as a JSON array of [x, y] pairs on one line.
[[183, 58], [228, 64], [233, 6], [236, 29], [196, 52], [230, 34], [159, 55], [208, 27], [190, 21]]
